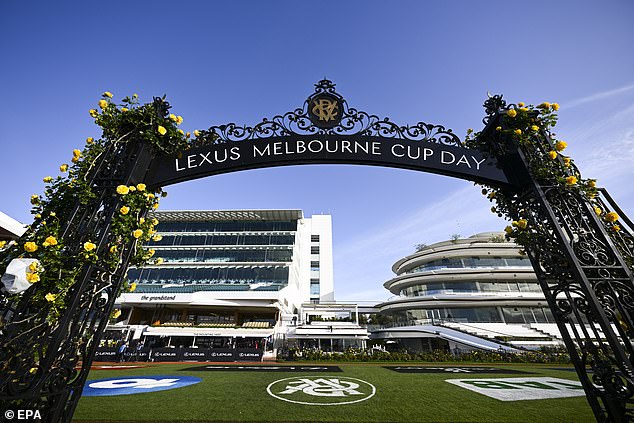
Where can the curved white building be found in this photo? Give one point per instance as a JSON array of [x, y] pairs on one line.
[[480, 286]]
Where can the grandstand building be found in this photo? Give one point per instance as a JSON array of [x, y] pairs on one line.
[[231, 282], [473, 293]]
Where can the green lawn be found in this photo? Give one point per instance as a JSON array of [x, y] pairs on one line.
[[225, 396]]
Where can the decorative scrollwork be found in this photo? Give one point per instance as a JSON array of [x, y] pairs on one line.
[[352, 122]]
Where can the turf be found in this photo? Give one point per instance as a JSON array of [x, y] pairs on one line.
[[400, 397]]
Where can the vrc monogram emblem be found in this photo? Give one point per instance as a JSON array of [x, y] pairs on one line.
[[323, 390], [325, 109]]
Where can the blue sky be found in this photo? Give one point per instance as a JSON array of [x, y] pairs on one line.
[[240, 61]]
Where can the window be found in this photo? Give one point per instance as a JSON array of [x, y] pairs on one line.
[[314, 238], [314, 265], [314, 290], [314, 250]]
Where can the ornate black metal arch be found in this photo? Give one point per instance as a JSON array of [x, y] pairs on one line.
[[348, 121], [585, 272]]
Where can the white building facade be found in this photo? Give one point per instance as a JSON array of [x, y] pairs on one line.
[[230, 280], [474, 293]]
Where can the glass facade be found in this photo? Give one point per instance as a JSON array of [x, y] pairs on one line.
[[201, 255], [523, 315], [210, 275], [225, 239], [469, 287], [470, 263], [201, 252], [227, 226]]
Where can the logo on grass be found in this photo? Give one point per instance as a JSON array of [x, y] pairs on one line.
[[322, 390], [136, 385]]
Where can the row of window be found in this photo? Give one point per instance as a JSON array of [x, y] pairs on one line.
[[314, 287], [230, 226], [225, 256], [213, 275], [217, 239], [471, 262], [479, 315], [469, 286]]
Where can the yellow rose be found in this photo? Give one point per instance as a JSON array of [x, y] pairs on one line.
[[522, 223], [32, 277], [611, 217], [196, 133], [520, 104], [89, 140], [571, 180], [137, 233], [35, 199], [33, 267], [535, 128], [122, 189], [544, 105], [141, 220], [566, 161], [616, 228], [116, 313], [76, 153], [518, 132], [179, 119], [508, 230], [159, 260], [173, 117], [48, 179], [162, 130], [141, 187], [2, 244], [560, 145], [53, 214], [155, 221], [93, 112], [155, 238], [107, 94], [63, 168], [49, 241], [74, 159], [132, 286], [50, 297], [113, 249], [598, 211], [188, 134], [37, 216], [30, 246], [89, 246], [132, 188], [124, 210], [124, 109], [155, 206], [592, 183], [511, 113], [180, 131], [555, 106], [103, 104], [151, 252]]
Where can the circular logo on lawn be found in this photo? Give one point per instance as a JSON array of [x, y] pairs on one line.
[[321, 390], [135, 385]]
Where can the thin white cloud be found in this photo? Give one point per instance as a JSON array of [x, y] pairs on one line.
[[367, 260], [598, 96]]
